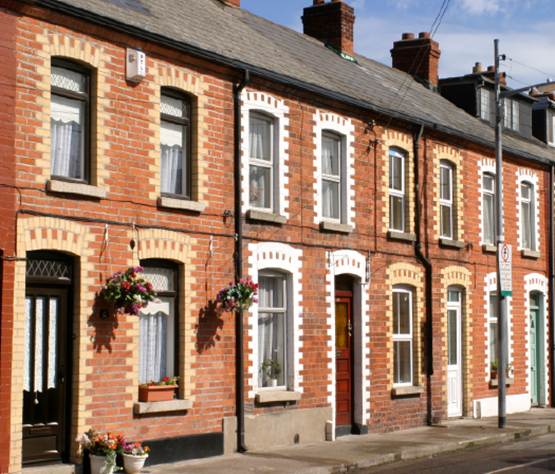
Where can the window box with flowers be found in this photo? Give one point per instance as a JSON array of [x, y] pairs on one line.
[[160, 391]]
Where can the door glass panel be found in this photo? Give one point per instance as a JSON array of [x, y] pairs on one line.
[[39, 342], [341, 321], [52, 341], [452, 322], [27, 373]]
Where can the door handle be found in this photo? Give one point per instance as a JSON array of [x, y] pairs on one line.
[[63, 374], [350, 326]]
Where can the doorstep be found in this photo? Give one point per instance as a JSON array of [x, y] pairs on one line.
[[57, 468]]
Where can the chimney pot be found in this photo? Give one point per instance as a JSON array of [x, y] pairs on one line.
[[491, 68], [424, 35], [332, 23], [477, 69], [407, 36]]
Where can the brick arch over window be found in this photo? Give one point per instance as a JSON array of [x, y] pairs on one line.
[[454, 158], [461, 278], [195, 87], [412, 276], [176, 247], [403, 143], [93, 56]]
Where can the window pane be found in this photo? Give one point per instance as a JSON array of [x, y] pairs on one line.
[[271, 344], [330, 155], [453, 337], [493, 306], [489, 182], [489, 219], [485, 104], [445, 187], [330, 198], [507, 109], [396, 209], [260, 186], [171, 157], [270, 292], [402, 361], [493, 342], [172, 106], [550, 128], [526, 225], [395, 172], [69, 80], [152, 346], [401, 313], [446, 222], [453, 296], [525, 191], [67, 144], [516, 116], [260, 138]]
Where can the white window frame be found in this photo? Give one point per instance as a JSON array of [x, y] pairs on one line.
[[285, 312], [551, 127], [511, 114], [446, 202], [403, 337], [336, 179], [529, 201], [492, 193], [485, 104], [267, 164], [398, 193]]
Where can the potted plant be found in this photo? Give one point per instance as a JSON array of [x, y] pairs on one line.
[[102, 450], [493, 370], [160, 391], [238, 296], [128, 291], [134, 456], [271, 369]]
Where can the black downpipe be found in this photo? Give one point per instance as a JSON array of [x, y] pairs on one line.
[[551, 358], [239, 340], [428, 266]]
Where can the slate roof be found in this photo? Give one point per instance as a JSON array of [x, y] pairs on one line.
[[238, 38]]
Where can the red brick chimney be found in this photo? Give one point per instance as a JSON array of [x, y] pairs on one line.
[[331, 23], [490, 74], [418, 57]]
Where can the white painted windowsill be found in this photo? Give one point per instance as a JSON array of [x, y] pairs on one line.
[[142, 408], [268, 396]]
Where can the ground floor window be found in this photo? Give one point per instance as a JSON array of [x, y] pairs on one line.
[[402, 336]]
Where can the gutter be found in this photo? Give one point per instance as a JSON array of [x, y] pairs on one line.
[[263, 73], [239, 330], [429, 269], [551, 283]]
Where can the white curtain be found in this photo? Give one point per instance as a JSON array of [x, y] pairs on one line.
[[67, 144], [489, 219], [152, 346], [260, 139], [330, 156], [171, 159]]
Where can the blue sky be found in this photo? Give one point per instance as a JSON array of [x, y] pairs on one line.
[[525, 29]]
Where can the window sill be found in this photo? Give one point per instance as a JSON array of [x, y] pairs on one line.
[[266, 217], [277, 396], [531, 254], [408, 390], [490, 248], [181, 204], [77, 189], [495, 382], [456, 244], [404, 236], [144, 408], [336, 227]]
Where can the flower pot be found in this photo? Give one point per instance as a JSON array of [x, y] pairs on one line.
[[271, 383], [493, 375], [99, 465], [133, 464], [156, 393]]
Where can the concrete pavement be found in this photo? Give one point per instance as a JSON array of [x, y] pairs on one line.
[[351, 452]]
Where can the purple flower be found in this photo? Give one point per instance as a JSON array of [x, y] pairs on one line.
[[141, 288], [255, 300], [138, 269]]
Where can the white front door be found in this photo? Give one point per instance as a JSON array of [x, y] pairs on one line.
[[454, 353]]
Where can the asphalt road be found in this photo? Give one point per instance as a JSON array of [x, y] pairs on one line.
[[533, 456]]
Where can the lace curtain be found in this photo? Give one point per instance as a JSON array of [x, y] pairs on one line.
[[171, 160], [154, 323], [260, 138], [67, 144]]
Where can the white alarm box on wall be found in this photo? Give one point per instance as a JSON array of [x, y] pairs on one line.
[[136, 65]]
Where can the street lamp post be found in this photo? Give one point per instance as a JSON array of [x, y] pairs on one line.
[[502, 333]]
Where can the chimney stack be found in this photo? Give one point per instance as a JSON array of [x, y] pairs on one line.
[[490, 74], [331, 23], [418, 57]]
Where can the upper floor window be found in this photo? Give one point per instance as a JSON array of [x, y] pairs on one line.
[[331, 176], [485, 104], [446, 200], [488, 208], [527, 215], [396, 191], [551, 128], [272, 329], [261, 161], [512, 114], [175, 133], [402, 336], [69, 120]]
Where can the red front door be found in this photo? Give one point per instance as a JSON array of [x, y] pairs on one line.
[[343, 360]]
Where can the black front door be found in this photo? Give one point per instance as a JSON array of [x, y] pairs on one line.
[[45, 374]]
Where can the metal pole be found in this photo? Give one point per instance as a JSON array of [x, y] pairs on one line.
[[501, 300]]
